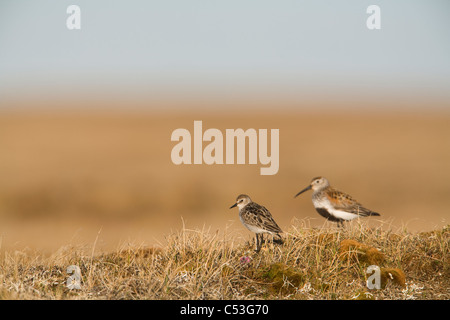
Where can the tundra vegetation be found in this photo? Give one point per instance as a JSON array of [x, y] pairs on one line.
[[313, 263]]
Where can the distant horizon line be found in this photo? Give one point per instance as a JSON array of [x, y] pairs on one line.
[[224, 104]]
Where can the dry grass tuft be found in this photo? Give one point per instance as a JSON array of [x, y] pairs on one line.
[[363, 295], [199, 264]]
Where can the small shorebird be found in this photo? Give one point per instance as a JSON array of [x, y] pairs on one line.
[[257, 219], [335, 205]]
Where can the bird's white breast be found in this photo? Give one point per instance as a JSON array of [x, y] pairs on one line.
[[326, 204]]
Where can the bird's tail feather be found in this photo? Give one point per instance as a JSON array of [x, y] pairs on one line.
[[278, 241], [276, 238]]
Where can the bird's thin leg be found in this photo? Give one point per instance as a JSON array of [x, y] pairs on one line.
[[258, 245], [261, 239]]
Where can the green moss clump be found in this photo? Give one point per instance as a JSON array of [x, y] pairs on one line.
[[281, 278]]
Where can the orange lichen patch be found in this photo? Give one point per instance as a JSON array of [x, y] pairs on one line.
[[356, 251], [395, 275], [349, 244]]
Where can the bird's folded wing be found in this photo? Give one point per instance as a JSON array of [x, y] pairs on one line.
[[262, 218], [344, 202]]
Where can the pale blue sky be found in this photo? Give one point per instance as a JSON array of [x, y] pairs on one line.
[[235, 46]]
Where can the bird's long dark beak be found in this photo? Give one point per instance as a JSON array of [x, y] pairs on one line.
[[306, 189], [234, 205]]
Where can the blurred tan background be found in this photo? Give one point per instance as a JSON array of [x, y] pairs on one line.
[[86, 115], [66, 175]]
